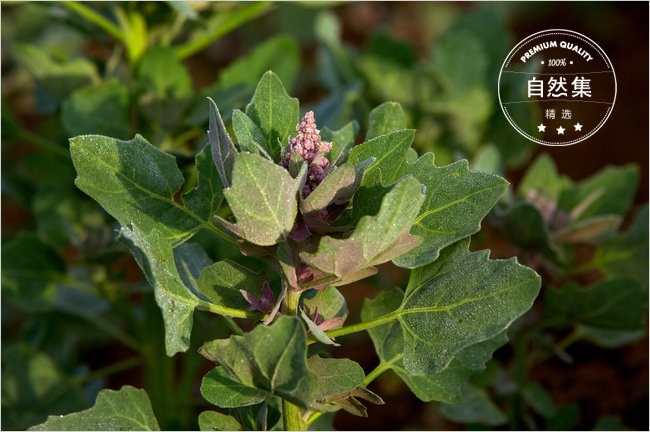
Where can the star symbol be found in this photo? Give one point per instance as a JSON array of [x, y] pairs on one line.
[[541, 128], [560, 130], [578, 127]]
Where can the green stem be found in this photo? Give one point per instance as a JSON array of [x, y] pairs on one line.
[[229, 312], [291, 415], [361, 326], [95, 18], [42, 143], [290, 412], [230, 22], [380, 369], [110, 369]]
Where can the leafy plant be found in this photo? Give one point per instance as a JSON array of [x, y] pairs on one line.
[[316, 216], [595, 284]]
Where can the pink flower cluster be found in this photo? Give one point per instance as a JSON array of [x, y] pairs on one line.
[[311, 149]]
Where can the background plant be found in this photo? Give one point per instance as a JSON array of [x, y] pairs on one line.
[[71, 236]]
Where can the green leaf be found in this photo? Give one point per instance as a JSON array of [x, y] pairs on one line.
[[614, 304], [248, 134], [224, 152], [376, 239], [477, 407], [136, 183], [126, 409], [161, 73], [457, 200], [59, 78], [329, 302], [339, 383], [221, 390], [33, 385], [609, 192], [626, 255], [98, 109], [280, 54], [539, 399], [387, 117], [542, 178], [388, 150], [263, 199], [222, 281], [274, 112], [336, 188], [461, 299], [342, 140], [445, 385], [335, 376], [205, 199], [31, 272], [524, 226], [155, 256], [272, 358], [215, 421]]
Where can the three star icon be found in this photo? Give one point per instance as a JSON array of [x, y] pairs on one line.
[[560, 130]]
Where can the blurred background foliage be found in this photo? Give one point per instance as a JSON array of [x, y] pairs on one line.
[[78, 317]]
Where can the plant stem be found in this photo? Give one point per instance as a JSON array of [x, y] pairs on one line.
[[95, 18], [42, 143], [291, 415], [291, 301], [229, 23], [290, 412], [229, 312], [361, 326]]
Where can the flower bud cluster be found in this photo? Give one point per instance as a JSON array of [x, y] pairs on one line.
[[311, 149]]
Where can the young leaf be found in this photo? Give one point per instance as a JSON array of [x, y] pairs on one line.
[[316, 331], [376, 239], [215, 421], [336, 188], [221, 390], [445, 385], [273, 111], [271, 358], [126, 409], [330, 303], [387, 117], [388, 150], [342, 140], [136, 183], [263, 199], [205, 199], [461, 299], [155, 256], [224, 152], [248, 134]]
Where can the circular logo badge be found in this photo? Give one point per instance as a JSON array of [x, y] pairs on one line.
[[567, 77]]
